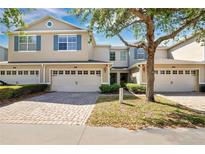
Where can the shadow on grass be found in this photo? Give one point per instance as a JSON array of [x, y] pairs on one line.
[[179, 106], [103, 99], [177, 119], [127, 104]]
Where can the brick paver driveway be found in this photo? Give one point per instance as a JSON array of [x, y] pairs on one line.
[[51, 108], [190, 99]]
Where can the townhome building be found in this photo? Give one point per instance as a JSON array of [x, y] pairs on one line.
[[61, 54], [3, 53]]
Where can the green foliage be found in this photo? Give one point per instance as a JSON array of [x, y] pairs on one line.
[[165, 21], [7, 92], [115, 88], [136, 88], [105, 88], [13, 17]]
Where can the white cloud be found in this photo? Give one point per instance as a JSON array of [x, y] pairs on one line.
[[39, 13]]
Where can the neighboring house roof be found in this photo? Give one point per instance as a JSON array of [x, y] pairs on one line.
[[168, 61], [3, 47], [119, 47], [183, 41], [48, 17]]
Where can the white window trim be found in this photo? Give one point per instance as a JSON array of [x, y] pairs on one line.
[[26, 44], [124, 55], [47, 24], [67, 35]]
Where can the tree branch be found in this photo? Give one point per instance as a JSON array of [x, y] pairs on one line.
[[173, 34], [137, 45], [138, 13], [129, 24]]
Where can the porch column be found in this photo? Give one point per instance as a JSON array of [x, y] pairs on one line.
[[140, 76], [118, 77]]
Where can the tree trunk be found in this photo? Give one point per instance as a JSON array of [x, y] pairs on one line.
[[150, 76]]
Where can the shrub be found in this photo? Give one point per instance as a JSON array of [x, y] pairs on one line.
[[136, 88], [105, 88], [8, 92], [202, 88], [115, 88]]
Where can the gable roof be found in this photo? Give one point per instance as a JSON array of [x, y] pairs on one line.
[[49, 17], [3, 47]]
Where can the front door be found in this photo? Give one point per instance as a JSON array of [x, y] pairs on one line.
[[113, 78]]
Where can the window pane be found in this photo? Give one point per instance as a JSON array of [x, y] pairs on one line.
[[72, 46], [92, 72], [85, 72], [123, 55], [72, 39], [23, 47], [63, 39], [112, 56], [20, 72], [25, 72], [62, 46], [32, 39], [32, 47], [23, 39], [140, 56]]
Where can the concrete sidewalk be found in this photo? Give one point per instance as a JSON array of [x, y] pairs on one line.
[[65, 134]]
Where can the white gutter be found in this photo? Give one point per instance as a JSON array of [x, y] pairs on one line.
[[48, 31]]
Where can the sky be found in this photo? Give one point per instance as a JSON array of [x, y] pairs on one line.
[[62, 14]]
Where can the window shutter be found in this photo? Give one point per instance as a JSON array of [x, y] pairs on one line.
[[55, 42], [79, 42], [38, 43], [135, 53], [16, 43]]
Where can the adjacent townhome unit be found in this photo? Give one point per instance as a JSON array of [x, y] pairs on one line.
[[61, 54], [3, 53]]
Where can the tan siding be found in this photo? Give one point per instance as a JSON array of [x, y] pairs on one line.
[[118, 62], [47, 52], [101, 53], [189, 50], [56, 26]]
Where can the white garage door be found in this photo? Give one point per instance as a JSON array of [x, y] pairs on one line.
[[20, 76], [76, 80], [175, 80]]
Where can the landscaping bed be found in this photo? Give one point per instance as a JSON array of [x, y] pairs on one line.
[[135, 113], [10, 92]]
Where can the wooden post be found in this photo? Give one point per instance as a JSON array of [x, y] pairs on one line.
[[121, 95]]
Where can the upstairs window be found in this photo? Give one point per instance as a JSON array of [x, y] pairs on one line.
[[122, 55], [27, 43], [139, 53], [67, 42], [112, 56]]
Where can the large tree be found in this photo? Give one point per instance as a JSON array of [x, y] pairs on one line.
[[12, 18], [151, 27]]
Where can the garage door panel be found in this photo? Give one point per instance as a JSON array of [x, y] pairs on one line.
[[76, 83], [18, 78], [175, 82]]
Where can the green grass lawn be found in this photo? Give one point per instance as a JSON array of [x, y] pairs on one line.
[[135, 113], [12, 87]]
